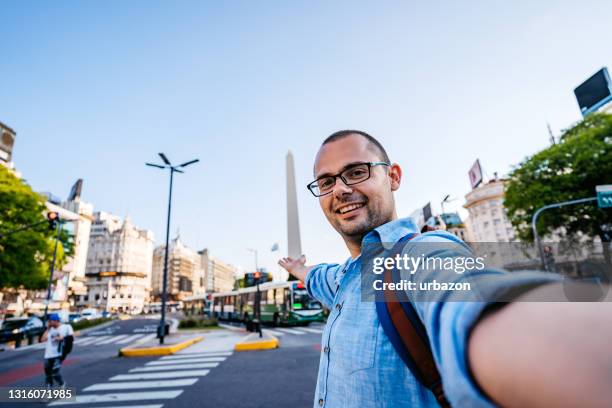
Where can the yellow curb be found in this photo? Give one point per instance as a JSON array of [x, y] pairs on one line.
[[158, 351], [249, 345]]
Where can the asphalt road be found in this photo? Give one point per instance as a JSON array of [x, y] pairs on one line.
[[207, 374]]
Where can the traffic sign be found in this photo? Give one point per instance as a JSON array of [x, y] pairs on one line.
[[604, 196]]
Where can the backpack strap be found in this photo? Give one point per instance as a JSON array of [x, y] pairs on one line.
[[407, 333]]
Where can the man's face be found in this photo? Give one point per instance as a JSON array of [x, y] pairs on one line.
[[373, 198]]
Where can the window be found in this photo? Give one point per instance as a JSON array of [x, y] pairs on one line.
[[97, 296]]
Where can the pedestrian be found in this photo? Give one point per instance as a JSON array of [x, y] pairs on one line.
[[54, 335], [486, 353]]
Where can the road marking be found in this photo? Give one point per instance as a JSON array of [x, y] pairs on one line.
[[309, 330], [146, 338], [199, 355], [141, 384], [192, 360], [155, 376], [130, 338], [113, 339], [230, 327], [130, 396], [174, 367], [291, 331], [98, 340], [85, 340], [274, 332]]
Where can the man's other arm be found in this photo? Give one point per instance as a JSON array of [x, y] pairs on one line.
[[296, 267], [319, 279], [534, 353]]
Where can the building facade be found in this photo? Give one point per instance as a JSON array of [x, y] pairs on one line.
[[219, 276], [488, 221], [118, 267], [185, 274]]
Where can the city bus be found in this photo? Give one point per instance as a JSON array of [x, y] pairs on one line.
[[282, 304]]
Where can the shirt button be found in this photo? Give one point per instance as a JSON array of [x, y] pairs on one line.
[[321, 402], [326, 349], [338, 306]]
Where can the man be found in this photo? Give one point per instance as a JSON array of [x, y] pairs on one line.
[[55, 333], [521, 354]]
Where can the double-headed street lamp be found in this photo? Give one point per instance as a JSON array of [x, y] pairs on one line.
[[167, 165]]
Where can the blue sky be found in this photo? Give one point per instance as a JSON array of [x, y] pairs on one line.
[[95, 89]]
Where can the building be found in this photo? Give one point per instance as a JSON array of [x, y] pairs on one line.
[[189, 272], [455, 225], [118, 268], [488, 221], [219, 276], [185, 273]]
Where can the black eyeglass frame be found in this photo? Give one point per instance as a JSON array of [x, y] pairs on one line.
[[311, 185]]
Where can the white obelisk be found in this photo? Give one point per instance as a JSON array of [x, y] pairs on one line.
[[294, 243]]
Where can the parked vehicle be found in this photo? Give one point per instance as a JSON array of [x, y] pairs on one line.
[[91, 314], [75, 318], [21, 328]]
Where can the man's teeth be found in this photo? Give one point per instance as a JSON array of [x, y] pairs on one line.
[[349, 208]]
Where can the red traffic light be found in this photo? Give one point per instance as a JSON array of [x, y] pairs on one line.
[[257, 275]]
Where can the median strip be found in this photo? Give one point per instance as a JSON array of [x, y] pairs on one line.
[[158, 350], [254, 342]]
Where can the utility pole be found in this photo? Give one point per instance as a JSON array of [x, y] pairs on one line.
[[161, 331]]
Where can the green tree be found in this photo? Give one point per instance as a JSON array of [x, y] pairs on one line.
[[568, 170], [25, 256]]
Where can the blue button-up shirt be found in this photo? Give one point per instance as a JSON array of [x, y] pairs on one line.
[[359, 366]]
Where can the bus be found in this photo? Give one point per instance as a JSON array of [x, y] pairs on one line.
[[282, 304]]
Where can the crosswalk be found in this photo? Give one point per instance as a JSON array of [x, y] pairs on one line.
[[120, 339], [297, 331], [156, 381]]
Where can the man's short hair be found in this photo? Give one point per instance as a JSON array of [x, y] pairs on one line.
[[374, 144]]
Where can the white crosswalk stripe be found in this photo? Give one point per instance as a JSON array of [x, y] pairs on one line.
[[130, 338], [290, 331], [99, 339], [113, 339], [196, 355], [155, 376], [274, 332], [141, 384], [85, 340], [131, 396], [174, 367], [309, 330], [191, 360]]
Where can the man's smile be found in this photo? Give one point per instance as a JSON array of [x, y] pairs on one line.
[[349, 208]]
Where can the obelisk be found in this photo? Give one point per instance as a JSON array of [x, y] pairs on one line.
[[294, 243]]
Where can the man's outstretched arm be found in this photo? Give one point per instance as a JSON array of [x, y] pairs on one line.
[[534, 353], [296, 267]]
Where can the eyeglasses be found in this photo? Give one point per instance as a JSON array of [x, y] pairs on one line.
[[353, 174]]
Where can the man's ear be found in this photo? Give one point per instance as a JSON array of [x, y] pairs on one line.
[[395, 174]]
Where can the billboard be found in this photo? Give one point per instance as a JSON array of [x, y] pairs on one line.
[[7, 140], [595, 92], [475, 174]]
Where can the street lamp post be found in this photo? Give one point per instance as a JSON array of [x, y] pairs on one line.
[[173, 169], [534, 222], [58, 230]]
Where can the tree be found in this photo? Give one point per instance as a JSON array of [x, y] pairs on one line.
[[568, 170], [25, 256]]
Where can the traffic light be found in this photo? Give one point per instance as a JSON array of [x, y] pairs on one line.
[[257, 276], [52, 219]]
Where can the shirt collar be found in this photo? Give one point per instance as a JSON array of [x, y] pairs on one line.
[[391, 232]]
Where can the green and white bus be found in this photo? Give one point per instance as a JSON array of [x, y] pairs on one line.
[[282, 304]]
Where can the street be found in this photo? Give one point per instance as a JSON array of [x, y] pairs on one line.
[[206, 374]]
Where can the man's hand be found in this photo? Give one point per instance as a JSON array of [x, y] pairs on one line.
[[296, 267]]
